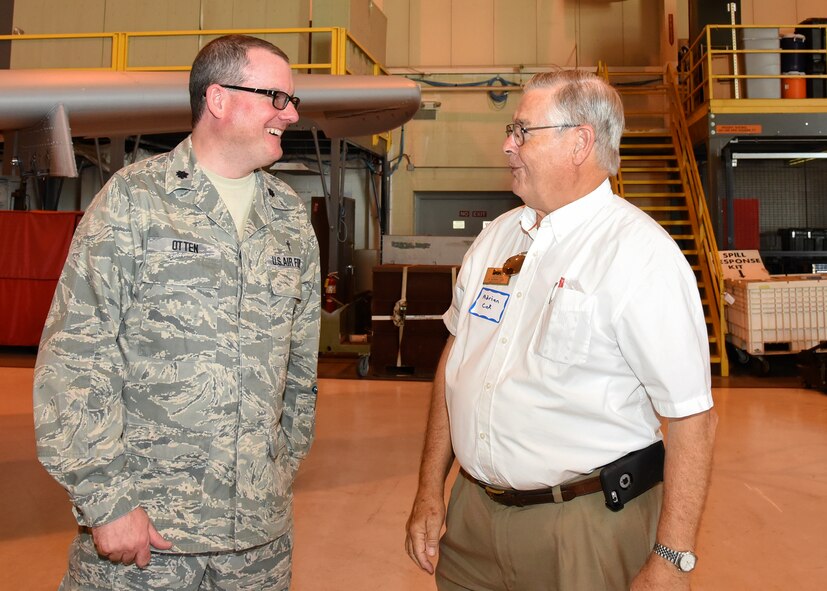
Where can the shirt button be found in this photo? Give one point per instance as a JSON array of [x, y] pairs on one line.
[[504, 340], [488, 386], [519, 294], [482, 435]]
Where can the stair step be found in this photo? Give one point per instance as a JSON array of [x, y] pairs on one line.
[[663, 208], [629, 169], [651, 181], [647, 157], [644, 195], [659, 89], [646, 133], [683, 236], [664, 146], [674, 222]]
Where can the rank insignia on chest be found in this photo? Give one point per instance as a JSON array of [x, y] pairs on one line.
[[495, 276]]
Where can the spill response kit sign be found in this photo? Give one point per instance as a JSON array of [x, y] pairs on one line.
[[742, 264]]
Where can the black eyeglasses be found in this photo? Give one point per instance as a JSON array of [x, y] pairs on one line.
[[280, 98], [518, 131]]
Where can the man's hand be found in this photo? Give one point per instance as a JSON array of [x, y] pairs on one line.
[[423, 529], [660, 575], [128, 539]]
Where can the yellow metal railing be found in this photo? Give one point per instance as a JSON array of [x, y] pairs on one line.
[[707, 73], [702, 223], [120, 46]]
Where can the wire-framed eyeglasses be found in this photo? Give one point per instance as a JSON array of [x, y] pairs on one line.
[[280, 98], [518, 131]]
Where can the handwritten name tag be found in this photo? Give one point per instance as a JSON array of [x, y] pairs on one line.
[[490, 304]]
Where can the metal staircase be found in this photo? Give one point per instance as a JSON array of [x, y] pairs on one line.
[[658, 174]]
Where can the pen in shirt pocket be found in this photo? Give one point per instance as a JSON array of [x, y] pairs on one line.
[[560, 283]]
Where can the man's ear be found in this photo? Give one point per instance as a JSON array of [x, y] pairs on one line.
[[216, 100], [584, 143]]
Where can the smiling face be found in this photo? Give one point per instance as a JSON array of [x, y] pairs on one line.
[[253, 129], [540, 168]]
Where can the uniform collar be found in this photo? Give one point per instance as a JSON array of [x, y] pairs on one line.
[[185, 177]]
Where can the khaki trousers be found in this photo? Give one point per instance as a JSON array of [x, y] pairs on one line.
[[579, 545]]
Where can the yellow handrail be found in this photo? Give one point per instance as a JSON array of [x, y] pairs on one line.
[[713, 272], [697, 77], [121, 43]]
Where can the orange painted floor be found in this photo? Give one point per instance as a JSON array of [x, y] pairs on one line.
[[765, 526]]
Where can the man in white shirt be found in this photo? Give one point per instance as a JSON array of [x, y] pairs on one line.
[[575, 324]]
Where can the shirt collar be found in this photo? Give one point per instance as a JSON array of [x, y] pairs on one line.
[[562, 221]]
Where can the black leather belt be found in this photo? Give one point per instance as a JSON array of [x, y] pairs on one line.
[[556, 494]]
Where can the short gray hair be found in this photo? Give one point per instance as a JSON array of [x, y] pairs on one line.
[[584, 98], [223, 61]]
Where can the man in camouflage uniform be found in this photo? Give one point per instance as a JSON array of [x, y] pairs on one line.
[[175, 387]]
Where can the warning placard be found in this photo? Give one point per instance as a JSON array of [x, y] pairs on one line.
[[742, 264]]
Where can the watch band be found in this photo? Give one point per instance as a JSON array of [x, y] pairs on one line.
[[683, 561]]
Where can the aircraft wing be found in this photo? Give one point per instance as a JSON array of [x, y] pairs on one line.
[[46, 108]]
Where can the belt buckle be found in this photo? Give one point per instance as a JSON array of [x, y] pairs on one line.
[[490, 490]]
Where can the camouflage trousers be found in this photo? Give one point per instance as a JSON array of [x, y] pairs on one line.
[[262, 568]]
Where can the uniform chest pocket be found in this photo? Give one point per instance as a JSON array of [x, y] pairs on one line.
[[285, 295], [565, 329], [179, 307]]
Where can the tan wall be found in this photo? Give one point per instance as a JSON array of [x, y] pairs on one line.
[[460, 150], [785, 12], [469, 33], [363, 19], [90, 16], [54, 16], [251, 14]]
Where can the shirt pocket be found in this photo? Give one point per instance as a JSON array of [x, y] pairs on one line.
[[565, 330], [285, 296], [169, 467], [179, 307]]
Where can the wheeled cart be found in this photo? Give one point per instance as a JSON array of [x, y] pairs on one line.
[[779, 315]]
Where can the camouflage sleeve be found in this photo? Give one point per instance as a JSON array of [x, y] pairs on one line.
[[298, 419], [78, 375]]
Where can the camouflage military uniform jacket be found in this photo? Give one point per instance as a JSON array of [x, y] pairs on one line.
[[177, 368]]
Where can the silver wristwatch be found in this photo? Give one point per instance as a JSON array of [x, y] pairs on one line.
[[684, 561]]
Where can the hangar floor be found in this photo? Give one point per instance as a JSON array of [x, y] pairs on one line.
[[764, 527]]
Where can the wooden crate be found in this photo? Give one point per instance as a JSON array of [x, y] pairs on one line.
[[428, 295]]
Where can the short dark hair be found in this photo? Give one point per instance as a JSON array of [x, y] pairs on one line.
[[223, 61]]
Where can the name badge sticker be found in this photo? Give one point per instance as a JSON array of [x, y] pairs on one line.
[[490, 304]]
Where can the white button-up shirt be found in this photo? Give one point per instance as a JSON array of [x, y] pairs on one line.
[[563, 369]]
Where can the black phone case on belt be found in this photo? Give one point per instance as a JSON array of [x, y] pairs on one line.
[[632, 475]]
